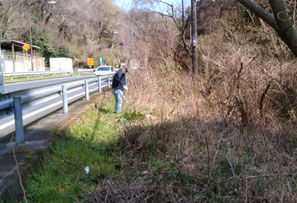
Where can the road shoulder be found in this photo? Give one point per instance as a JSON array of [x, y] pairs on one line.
[[38, 137]]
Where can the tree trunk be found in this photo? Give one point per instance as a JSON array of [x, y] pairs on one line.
[[285, 28], [279, 21]]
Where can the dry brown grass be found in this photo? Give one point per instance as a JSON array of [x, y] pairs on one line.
[[228, 136], [216, 132]]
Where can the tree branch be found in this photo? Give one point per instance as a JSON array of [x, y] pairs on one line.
[[286, 30], [280, 22], [260, 12], [168, 4]]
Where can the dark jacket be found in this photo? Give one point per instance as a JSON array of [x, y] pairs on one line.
[[119, 80]]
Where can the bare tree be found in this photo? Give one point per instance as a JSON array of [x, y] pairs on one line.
[[13, 20], [279, 20], [181, 24]]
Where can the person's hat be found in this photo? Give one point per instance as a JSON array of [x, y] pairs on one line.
[[126, 69]]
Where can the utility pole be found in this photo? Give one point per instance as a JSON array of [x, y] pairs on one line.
[[48, 3], [194, 36], [31, 49]]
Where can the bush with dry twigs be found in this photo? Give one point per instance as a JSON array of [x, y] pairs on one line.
[[227, 136], [188, 149]]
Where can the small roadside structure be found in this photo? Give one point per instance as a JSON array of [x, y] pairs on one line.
[[61, 64], [15, 59]]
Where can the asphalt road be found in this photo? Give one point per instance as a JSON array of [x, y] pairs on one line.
[[14, 87], [37, 109]]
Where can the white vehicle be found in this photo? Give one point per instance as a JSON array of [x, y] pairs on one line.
[[103, 70]]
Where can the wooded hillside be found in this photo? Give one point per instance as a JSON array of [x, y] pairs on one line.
[[77, 29]]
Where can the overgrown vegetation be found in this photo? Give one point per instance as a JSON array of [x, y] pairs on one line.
[[229, 135], [186, 151]]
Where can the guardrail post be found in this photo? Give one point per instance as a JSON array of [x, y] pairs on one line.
[[65, 99], [99, 85], [109, 83], [87, 90], [18, 117], [1, 78]]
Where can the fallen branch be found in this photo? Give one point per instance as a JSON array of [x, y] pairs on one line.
[[17, 168]]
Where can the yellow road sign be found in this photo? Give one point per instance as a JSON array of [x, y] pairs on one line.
[[26, 47], [90, 62]]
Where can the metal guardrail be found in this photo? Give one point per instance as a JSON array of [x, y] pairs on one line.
[[35, 73], [85, 70], [39, 102]]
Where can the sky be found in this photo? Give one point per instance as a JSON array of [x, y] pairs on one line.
[[124, 4], [127, 4]]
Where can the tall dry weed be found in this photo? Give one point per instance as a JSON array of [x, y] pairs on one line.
[[232, 130], [228, 135]]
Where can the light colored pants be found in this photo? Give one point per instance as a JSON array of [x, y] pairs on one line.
[[118, 94]]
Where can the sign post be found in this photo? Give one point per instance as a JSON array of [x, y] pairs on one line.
[[101, 60], [26, 47], [90, 62]]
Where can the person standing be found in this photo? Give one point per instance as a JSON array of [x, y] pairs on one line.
[[118, 86]]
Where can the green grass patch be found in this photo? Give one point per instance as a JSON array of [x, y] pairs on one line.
[[10, 79], [131, 116], [90, 142]]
